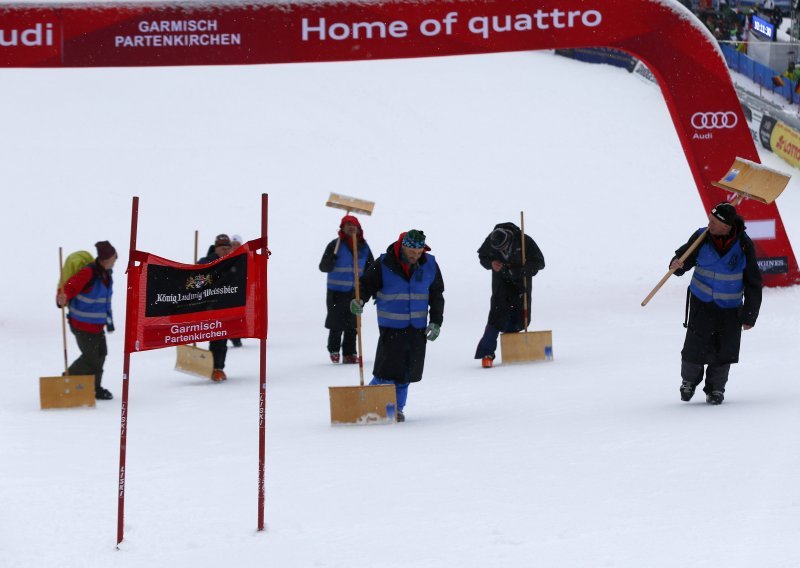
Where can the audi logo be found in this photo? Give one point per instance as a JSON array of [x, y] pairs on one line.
[[709, 120]]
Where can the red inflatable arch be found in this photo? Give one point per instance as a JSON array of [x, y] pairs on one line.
[[678, 50]]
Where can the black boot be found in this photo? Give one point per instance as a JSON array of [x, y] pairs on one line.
[[715, 397], [102, 394], [687, 391]]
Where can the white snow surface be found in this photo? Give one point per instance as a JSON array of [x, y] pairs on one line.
[[588, 460]]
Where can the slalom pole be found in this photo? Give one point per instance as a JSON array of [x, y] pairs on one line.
[[126, 361], [263, 370]]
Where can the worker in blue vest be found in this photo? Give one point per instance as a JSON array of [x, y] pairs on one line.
[[88, 295], [337, 261], [409, 292], [724, 298]]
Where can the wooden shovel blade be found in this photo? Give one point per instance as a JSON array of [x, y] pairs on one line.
[[376, 404], [68, 391], [195, 361], [349, 204], [526, 346], [754, 181]]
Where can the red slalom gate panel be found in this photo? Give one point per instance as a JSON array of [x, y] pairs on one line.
[[679, 51]]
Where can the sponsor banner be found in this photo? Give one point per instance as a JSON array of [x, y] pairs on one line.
[[172, 291], [761, 230], [785, 142], [173, 304], [765, 131], [100, 35], [775, 265], [700, 97]]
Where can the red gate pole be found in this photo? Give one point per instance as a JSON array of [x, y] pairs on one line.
[[263, 369], [126, 362]]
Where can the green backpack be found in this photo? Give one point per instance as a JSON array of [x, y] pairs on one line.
[[74, 263]]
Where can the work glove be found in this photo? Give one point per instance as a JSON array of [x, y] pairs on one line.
[[356, 307], [110, 327], [432, 331]]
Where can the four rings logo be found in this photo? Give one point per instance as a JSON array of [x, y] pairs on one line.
[[711, 120]]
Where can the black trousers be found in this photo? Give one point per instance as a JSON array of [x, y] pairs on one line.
[[93, 355], [219, 349], [716, 375], [348, 346]]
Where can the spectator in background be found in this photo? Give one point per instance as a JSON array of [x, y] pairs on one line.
[[218, 347], [792, 72], [236, 242]]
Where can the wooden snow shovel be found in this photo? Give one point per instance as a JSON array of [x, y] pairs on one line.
[[747, 180], [351, 205], [526, 345], [66, 391], [375, 404], [190, 358]]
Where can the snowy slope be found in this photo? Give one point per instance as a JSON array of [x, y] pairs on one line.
[[590, 460]]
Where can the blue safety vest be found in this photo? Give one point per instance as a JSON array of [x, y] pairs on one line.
[[402, 303], [94, 305], [340, 279], [719, 279]]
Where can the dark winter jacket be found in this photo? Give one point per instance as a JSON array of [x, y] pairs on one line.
[[338, 303], [401, 352], [714, 333], [210, 257], [513, 280]]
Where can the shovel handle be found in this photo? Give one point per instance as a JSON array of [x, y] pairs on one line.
[[524, 282], [63, 314], [683, 257], [358, 317]]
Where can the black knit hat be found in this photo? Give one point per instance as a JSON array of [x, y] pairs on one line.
[[725, 212], [104, 250]]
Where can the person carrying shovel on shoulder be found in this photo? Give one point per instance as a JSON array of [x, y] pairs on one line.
[[724, 297], [337, 262]]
